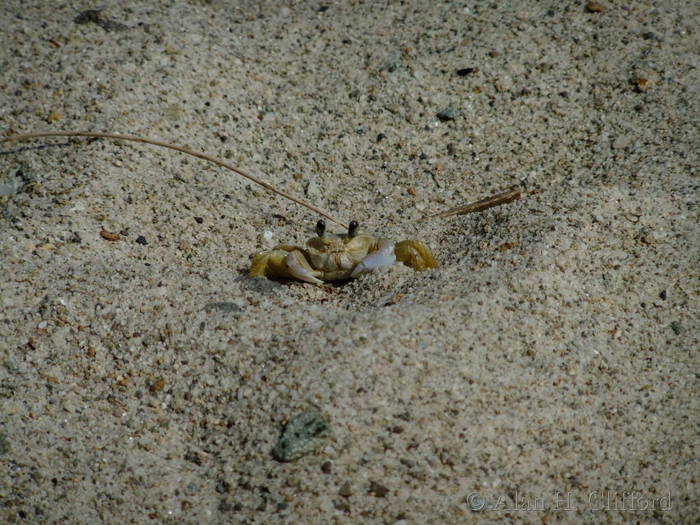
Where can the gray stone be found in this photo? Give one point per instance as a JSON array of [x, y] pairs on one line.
[[303, 434]]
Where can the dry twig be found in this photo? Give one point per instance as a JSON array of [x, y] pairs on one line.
[[187, 151], [513, 194]]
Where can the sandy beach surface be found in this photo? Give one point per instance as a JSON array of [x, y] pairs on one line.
[[546, 372]]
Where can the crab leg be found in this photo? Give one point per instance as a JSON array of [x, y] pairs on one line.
[[284, 262], [298, 271]]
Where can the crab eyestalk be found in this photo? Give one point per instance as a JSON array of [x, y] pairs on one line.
[[352, 229], [320, 227]]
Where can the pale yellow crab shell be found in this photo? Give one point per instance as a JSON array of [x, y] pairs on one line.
[[340, 253]]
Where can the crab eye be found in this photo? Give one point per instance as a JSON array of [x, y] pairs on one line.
[[320, 227], [352, 228]]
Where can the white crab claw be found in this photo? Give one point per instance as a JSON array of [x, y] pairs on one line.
[[298, 271], [384, 256]]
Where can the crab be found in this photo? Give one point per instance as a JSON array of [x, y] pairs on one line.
[[338, 257], [327, 257]]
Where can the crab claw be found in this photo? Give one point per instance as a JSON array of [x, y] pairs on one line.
[[415, 254], [384, 256], [298, 271]]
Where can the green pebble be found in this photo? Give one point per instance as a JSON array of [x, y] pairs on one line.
[[303, 434]]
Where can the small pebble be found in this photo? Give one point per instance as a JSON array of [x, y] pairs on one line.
[[641, 83], [223, 487], [303, 434], [110, 236], [342, 506], [595, 7], [141, 240], [645, 80], [648, 238], [378, 490], [157, 385], [293, 481], [392, 61], [463, 72], [194, 456], [95, 16], [313, 191], [345, 490], [448, 113], [476, 502], [89, 15]]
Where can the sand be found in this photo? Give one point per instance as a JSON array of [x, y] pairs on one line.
[[546, 372]]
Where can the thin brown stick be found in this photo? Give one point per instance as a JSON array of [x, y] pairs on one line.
[[187, 151], [513, 194]]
